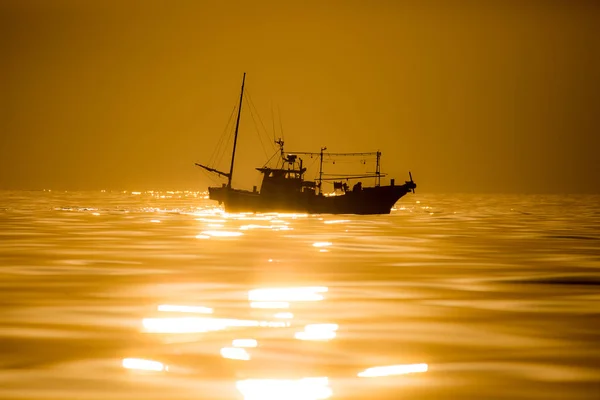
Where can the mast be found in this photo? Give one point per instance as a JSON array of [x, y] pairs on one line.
[[237, 126], [321, 170]]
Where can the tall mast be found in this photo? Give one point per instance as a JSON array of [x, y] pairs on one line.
[[321, 170], [237, 126]]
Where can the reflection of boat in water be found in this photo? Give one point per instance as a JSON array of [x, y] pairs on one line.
[[285, 189]]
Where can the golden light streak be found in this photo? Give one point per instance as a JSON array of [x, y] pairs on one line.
[[255, 226], [393, 370], [288, 389], [185, 309], [235, 353], [143, 365], [272, 227], [322, 244], [318, 332], [291, 215], [200, 325]]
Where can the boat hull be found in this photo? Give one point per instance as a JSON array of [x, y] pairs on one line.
[[370, 200]]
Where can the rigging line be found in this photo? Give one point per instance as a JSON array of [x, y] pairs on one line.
[[217, 149], [220, 143], [231, 134], [256, 127], [311, 165], [249, 98], [250, 106], [314, 160], [363, 155], [216, 159], [352, 174], [273, 119], [327, 154], [349, 177], [346, 161], [210, 176], [269, 160]]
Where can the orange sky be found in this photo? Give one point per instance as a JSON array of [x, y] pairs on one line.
[[501, 97]]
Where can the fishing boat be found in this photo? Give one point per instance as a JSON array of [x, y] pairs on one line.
[[284, 188]]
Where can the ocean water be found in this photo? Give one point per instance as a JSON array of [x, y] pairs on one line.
[[112, 295]]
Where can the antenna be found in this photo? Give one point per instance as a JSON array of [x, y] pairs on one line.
[[280, 123]]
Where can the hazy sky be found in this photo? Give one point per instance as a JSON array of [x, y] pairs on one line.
[[490, 96]]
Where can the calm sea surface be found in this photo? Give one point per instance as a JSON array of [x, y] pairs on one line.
[[110, 295]]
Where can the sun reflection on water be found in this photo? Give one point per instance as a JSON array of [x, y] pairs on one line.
[[235, 353], [199, 325], [284, 315], [393, 370], [317, 332], [244, 349], [143, 365]]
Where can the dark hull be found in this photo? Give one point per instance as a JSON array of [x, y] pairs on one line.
[[371, 200]]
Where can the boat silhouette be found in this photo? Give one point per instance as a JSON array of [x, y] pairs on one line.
[[284, 188]]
